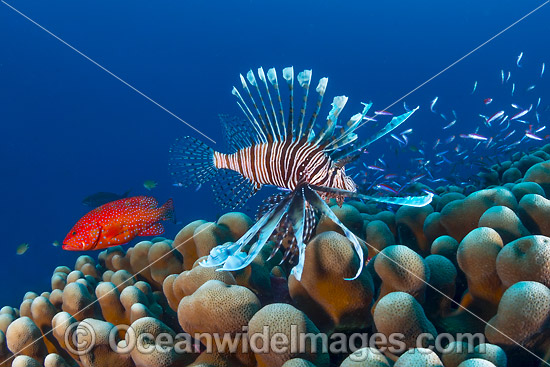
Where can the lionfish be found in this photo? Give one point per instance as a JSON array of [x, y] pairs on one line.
[[267, 149]]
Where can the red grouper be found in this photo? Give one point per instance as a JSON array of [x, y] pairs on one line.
[[118, 222]]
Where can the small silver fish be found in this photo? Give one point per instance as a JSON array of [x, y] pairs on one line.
[[432, 104], [532, 136], [449, 125], [519, 59]]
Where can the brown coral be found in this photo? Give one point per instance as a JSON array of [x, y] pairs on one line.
[[459, 217], [420, 357], [348, 215], [540, 174], [366, 356], [526, 304], [331, 301], [505, 221], [410, 227], [527, 258], [379, 236], [443, 279], [477, 254], [206, 310], [399, 312], [287, 323], [25, 338], [402, 269], [534, 210]]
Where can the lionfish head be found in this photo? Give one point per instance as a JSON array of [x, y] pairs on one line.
[[341, 180]]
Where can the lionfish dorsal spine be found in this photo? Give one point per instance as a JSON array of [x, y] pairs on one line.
[[347, 136], [304, 79], [249, 115], [269, 125], [272, 77], [321, 88], [275, 123], [338, 104], [288, 75], [265, 126]]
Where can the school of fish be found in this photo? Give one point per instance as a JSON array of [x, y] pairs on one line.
[[511, 117]]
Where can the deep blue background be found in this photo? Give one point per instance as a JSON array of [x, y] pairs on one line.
[[68, 129]]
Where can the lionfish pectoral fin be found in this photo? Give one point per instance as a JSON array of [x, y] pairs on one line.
[[296, 215], [315, 200], [219, 254], [273, 218], [395, 122], [191, 161], [417, 201], [232, 190]]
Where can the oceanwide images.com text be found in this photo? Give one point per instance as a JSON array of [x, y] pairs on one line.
[[82, 339]]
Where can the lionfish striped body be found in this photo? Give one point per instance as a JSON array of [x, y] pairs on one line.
[[285, 164], [289, 154]]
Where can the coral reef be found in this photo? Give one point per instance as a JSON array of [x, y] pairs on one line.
[[471, 262]]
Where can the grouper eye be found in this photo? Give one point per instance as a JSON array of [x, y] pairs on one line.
[[74, 233]]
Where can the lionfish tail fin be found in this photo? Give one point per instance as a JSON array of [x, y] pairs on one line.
[[191, 162]]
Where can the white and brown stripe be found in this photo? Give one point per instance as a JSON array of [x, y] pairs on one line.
[[283, 164]]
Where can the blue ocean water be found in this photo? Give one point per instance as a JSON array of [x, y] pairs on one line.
[[69, 129]]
